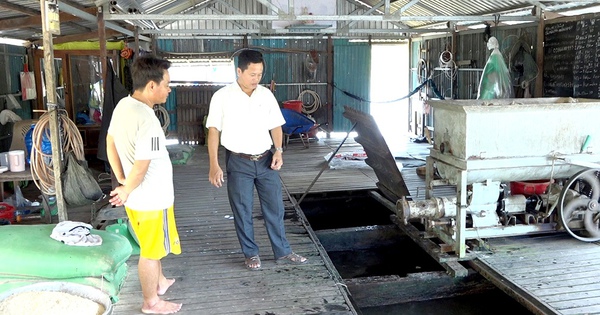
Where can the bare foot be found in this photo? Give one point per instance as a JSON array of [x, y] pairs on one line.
[[161, 307], [163, 287]]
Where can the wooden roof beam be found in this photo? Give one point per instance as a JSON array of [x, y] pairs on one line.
[[79, 37]]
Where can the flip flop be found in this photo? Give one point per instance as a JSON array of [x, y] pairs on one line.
[[292, 258], [252, 263]]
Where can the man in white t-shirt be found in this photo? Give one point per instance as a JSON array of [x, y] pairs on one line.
[[246, 118], [138, 157]]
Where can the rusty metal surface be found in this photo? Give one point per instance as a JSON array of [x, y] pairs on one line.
[[380, 158]]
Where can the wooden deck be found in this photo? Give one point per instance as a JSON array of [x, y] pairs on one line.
[[211, 278], [554, 274]]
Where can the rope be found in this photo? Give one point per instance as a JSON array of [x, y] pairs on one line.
[[434, 88], [41, 163], [309, 109], [163, 116]]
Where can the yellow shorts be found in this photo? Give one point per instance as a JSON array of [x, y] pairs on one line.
[[156, 232]]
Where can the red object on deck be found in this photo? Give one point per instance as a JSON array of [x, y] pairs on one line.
[[7, 211], [295, 105]]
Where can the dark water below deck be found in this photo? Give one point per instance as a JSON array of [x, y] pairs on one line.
[[492, 302], [401, 257]]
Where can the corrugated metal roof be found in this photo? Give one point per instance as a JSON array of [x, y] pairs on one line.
[[351, 18]]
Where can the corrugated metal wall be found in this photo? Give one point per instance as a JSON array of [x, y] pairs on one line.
[[285, 64], [351, 73]]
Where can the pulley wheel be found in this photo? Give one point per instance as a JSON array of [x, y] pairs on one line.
[[579, 211]]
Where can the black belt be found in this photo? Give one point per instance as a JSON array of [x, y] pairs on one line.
[[251, 157]]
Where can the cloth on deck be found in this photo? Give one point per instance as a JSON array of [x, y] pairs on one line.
[[75, 234]]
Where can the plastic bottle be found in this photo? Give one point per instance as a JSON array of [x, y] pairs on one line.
[[29, 144]]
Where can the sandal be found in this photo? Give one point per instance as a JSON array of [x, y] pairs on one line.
[[252, 263], [292, 258]]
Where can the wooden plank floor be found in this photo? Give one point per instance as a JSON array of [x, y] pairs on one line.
[[554, 274], [302, 165], [211, 278]]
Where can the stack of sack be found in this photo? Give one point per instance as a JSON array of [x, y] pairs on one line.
[[67, 252]]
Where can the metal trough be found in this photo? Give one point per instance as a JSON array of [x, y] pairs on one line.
[[515, 139]]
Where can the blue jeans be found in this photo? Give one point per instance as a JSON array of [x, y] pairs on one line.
[[242, 176]]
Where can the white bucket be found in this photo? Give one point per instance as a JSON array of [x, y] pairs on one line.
[[16, 160]]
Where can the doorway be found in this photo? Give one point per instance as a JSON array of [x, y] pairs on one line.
[[389, 83]]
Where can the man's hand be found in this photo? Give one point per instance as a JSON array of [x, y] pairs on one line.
[[277, 161], [119, 196], [215, 176]]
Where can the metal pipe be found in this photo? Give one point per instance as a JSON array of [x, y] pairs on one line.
[[434, 208]]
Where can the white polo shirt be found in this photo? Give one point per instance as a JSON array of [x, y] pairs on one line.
[[244, 121], [138, 135]]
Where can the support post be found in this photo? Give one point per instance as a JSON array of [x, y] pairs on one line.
[[329, 103], [136, 40], [102, 46], [539, 53], [50, 26]]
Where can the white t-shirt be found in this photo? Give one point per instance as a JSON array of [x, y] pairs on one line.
[[138, 136], [244, 121]]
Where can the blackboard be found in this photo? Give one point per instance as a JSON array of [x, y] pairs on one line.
[[571, 60]]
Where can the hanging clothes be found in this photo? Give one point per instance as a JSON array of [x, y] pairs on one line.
[[114, 92]]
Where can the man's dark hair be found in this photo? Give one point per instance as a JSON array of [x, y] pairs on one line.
[[147, 68], [249, 56]]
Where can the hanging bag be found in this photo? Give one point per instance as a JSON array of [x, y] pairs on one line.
[[79, 185], [27, 84]]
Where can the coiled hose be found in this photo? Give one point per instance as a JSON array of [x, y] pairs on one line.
[[163, 116], [41, 163], [311, 108]]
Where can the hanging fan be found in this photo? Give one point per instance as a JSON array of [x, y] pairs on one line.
[[521, 64], [311, 61]]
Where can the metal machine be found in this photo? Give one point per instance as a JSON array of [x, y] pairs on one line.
[[519, 166]]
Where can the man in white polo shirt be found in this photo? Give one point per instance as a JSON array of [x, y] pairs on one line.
[[246, 118]]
